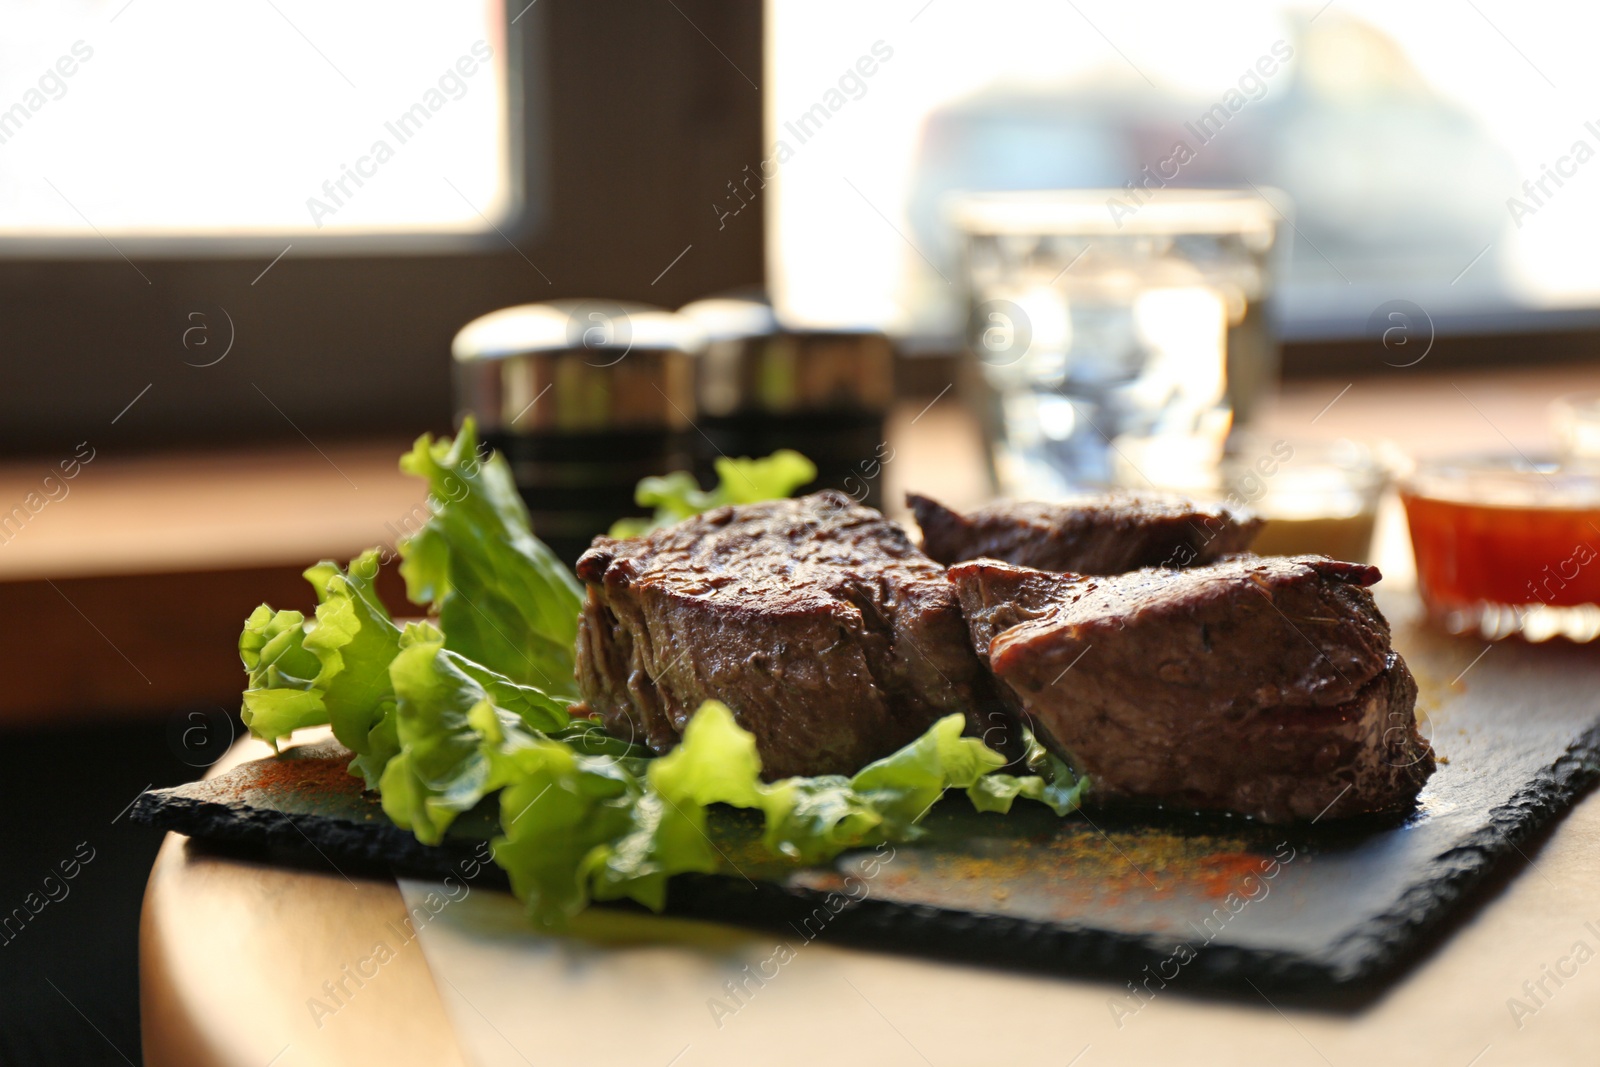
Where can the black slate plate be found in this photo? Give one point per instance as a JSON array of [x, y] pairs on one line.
[[1143, 897]]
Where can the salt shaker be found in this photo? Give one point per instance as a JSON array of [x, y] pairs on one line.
[[583, 398]]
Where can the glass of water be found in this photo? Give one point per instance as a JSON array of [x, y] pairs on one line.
[[1098, 314]]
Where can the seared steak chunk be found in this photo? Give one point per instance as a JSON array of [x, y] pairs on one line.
[[815, 620], [1105, 533], [1263, 686]]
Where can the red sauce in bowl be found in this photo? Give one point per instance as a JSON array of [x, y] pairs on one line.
[[1504, 554], [1500, 542]]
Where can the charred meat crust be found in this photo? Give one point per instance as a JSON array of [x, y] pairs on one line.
[[817, 621], [1105, 533], [1266, 687]]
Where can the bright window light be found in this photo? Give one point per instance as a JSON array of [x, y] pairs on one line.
[[1443, 154], [283, 118]]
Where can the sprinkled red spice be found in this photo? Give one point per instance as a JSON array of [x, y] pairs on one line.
[[313, 777], [1229, 872]]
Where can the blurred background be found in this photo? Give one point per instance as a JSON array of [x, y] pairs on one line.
[[237, 242], [1398, 131]]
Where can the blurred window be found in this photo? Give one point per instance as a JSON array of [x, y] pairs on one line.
[[133, 120], [1440, 154]]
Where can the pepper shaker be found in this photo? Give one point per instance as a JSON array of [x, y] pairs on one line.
[[583, 398], [761, 386]]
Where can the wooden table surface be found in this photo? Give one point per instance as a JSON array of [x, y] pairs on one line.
[[232, 951], [137, 573]]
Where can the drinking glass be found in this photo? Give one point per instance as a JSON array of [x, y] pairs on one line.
[[1098, 314]]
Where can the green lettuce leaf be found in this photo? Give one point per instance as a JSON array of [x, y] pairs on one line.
[[579, 827], [503, 599], [332, 669], [810, 820], [1053, 783], [678, 496], [558, 818], [279, 695], [355, 639], [576, 828], [458, 727], [903, 786], [715, 763], [338, 669]]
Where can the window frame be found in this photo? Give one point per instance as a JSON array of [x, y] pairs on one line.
[[617, 176]]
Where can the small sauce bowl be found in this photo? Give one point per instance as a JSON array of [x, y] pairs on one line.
[[1507, 544]]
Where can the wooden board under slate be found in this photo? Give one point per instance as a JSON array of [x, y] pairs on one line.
[[1311, 910]]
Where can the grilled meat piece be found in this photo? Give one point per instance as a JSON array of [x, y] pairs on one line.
[[1262, 686], [1105, 533], [817, 621]]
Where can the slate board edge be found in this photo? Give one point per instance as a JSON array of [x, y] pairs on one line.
[[1396, 934], [1364, 962], [1378, 950], [376, 849]]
